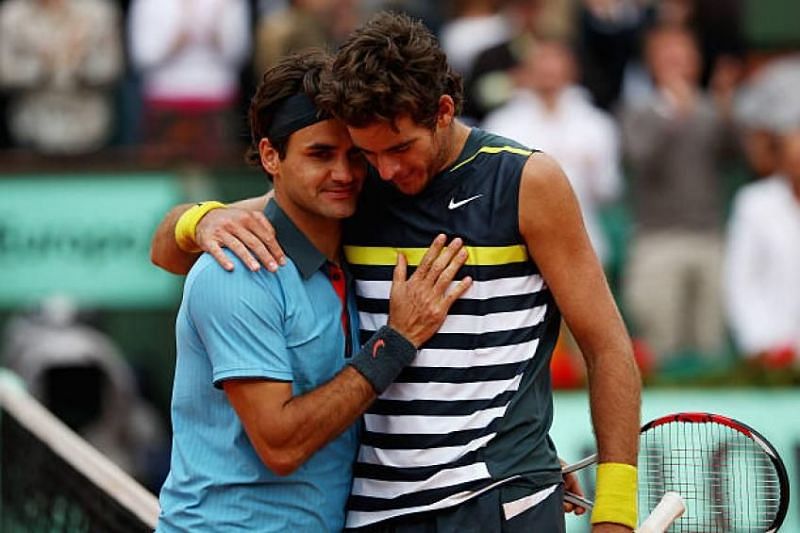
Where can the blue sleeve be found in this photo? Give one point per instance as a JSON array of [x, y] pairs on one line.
[[238, 316]]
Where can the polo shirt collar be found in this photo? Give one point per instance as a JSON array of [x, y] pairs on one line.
[[306, 257]]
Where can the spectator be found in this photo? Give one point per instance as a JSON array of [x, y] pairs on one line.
[[766, 105], [432, 14], [59, 59], [676, 143], [718, 27], [762, 285], [551, 113], [608, 39], [189, 54], [475, 26], [491, 76], [299, 25]]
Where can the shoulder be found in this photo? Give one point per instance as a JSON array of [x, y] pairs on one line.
[[493, 143], [543, 173], [489, 152], [546, 196], [217, 289], [760, 195]]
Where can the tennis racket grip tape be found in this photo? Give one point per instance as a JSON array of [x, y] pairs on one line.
[[669, 509]]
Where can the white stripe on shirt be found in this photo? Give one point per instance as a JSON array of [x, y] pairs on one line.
[[419, 457], [471, 324], [480, 390], [479, 290], [492, 355], [430, 425]]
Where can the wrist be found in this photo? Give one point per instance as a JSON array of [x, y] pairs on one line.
[[186, 227], [383, 357], [615, 496]]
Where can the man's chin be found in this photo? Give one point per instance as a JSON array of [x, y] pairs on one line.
[[341, 212], [409, 189]]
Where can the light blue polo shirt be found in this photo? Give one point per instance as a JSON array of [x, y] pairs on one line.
[[282, 326]]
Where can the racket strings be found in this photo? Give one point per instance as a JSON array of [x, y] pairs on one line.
[[726, 479]]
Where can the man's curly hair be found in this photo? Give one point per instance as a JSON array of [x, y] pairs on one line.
[[390, 66], [295, 73]]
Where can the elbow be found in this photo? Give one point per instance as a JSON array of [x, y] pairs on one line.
[[283, 468], [173, 264], [283, 462], [154, 257], [157, 258]]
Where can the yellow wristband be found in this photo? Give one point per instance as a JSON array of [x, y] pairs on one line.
[[187, 224], [615, 497]]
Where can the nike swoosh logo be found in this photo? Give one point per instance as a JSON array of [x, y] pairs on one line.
[[455, 205]]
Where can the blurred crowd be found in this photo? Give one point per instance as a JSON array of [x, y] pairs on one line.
[[649, 105]]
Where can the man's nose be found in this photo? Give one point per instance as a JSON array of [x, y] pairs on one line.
[[342, 170], [388, 168]]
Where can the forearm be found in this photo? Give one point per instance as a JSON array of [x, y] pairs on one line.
[[310, 421], [615, 398], [164, 251], [286, 430]]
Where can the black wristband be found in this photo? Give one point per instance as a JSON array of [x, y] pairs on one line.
[[383, 357]]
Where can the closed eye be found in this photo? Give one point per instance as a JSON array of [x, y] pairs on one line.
[[400, 148]]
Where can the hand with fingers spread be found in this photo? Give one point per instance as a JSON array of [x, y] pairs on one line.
[[418, 305], [248, 234]]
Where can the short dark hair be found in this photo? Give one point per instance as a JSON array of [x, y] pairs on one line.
[[296, 73], [391, 66]]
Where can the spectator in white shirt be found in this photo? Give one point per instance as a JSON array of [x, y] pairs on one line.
[[550, 113], [762, 280], [190, 55]]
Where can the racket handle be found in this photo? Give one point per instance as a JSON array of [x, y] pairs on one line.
[[665, 513]]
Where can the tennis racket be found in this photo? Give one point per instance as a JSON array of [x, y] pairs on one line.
[[730, 477]]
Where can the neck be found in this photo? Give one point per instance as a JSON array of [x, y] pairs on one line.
[[550, 100], [323, 232], [455, 140]]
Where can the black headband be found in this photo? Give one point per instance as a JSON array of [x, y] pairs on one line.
[[294, 113]]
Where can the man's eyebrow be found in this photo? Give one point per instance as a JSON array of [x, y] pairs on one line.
[[319, 146], [397, 146]]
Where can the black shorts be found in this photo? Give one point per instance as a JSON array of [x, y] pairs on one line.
[[488, 512]]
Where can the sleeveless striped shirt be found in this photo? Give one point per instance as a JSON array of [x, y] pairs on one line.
[[475, 406]]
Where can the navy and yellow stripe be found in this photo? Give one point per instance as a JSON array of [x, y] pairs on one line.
[[477, 255]]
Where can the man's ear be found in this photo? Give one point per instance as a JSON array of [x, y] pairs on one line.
[[270, 161], [447, 111]]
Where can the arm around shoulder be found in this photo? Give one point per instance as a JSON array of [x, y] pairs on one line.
[[241, 227]]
